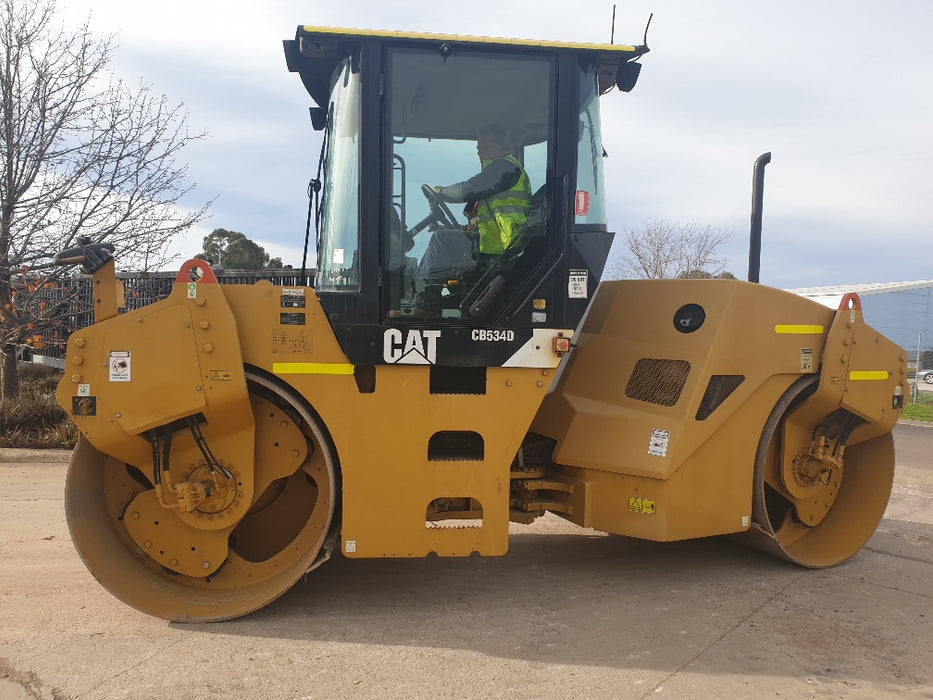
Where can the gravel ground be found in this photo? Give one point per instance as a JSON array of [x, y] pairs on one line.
[[566, 613]]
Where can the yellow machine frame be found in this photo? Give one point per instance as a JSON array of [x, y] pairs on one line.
[[228, 444]]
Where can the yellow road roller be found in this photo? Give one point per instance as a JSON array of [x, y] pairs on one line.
[[451, 370]]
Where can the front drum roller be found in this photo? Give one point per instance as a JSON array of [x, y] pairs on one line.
[[283, 535], [860, 498]]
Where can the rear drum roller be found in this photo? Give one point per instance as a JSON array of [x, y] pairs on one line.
[[860, 494], [284, 534]]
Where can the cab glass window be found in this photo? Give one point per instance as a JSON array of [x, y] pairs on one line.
[[590, 196], [338, 245], [471, 143]]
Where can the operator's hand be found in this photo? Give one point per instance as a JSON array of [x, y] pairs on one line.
[[441, 193]]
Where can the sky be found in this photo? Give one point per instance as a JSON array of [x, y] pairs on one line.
[[838, 91]]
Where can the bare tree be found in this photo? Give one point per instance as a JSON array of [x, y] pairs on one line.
[[665, 250], [82, 155]]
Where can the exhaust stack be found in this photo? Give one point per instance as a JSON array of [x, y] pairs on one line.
[[758, 194]]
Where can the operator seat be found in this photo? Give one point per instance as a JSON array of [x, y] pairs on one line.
[[514, 263]]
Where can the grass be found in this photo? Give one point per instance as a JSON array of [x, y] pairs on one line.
[[34, 419], [922, 410]]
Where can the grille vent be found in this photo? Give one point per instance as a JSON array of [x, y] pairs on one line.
[[717, 391], [658, 381]]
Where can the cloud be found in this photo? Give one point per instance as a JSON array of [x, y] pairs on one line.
[[835, 90]]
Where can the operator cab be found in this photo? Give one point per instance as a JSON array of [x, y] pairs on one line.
[[402, 114]]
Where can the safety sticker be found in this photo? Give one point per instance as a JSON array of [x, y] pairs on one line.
[[221, 375], [338, 256], [85, 389], [350, 546], [657, 447], [576, 286], [120, 365], [806, 359], [581, 203], [642, 505], [192, 290]]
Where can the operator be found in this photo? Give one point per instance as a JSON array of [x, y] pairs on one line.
[[498, 197]]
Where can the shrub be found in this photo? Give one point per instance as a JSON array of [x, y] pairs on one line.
[[34, 419]]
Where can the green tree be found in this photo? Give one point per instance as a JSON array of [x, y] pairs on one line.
[[80, 155], [233, 250]]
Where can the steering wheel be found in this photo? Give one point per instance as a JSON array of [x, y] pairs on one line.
[[440, 212]]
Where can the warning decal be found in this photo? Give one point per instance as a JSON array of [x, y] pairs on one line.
[[576, 286], [642, 505], [120, 365], [806, 359], [658, 444]]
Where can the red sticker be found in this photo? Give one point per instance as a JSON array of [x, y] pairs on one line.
[[582, 203]]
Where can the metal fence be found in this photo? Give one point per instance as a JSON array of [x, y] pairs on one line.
[[72, 301]]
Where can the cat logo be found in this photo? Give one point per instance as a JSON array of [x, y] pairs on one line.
[[415, 348]]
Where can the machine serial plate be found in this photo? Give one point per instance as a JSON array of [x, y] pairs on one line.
[[292, 319]]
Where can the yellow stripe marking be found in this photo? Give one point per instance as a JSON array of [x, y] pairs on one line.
[[869, 375], [311, 368], [798, 329], [352, 33]]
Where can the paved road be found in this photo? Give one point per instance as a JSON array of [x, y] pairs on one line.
[[913, 443], [568, 613]]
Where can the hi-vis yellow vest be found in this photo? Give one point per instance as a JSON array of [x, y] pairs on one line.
[[500, 217]]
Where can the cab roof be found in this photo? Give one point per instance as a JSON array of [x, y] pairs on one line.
[[310, 30], [315, 51]]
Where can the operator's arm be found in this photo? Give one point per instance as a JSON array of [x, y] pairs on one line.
[[498, 176]]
